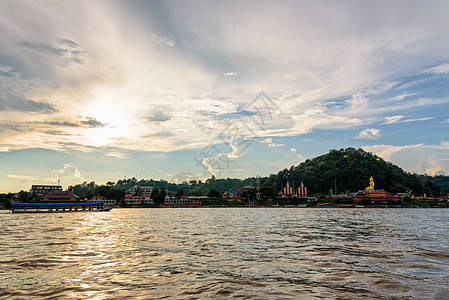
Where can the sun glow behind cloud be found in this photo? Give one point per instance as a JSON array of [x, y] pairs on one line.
[[114, 115], [118, 77]]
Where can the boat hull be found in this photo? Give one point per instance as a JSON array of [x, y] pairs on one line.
[[57, 207]]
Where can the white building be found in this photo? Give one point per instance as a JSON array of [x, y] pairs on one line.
[[135, 199], [142, 189], [187, 201], [40, 190], [106, 202]]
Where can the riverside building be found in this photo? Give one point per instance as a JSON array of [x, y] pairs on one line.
[[41, 190]]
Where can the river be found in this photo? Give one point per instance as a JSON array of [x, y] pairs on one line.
[[223, 253]]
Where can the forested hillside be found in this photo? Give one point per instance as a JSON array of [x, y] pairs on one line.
[[441, 181], [349, 170], [345, 170]]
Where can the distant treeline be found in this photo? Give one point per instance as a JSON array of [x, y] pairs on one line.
[[116, 190], [342, 171]]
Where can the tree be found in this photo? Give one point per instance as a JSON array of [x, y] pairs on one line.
[[213, 193], [5, 200], [248, 195], [158, 196], [196, 192], [212, 179], [366, 201], [24, 196], [88, 195], [117, 195], [179, 194]]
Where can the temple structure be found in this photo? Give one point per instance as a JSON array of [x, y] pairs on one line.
[[375, 196], [302, 191], [289, 191], [371, 184]]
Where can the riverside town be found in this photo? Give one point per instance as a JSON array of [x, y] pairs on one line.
[[314, 183]]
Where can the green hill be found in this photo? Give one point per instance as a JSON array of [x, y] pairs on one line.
[[345, 170], [349, 170], [439, 180]]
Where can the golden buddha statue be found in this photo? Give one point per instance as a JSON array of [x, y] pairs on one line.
[[371, 184]]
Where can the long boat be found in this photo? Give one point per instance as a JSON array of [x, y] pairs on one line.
[[57, 207]]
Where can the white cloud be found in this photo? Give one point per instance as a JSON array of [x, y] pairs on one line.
[[293, 150], [369, 134], [435, 166], [122, 73], [402, 119], [273, 145], [417, 158], [117, 154], [386, 151], [166, 40], [440, 69], [68, 175], [419, 119], [23, 177], [393, 119], [269, 142], [434, 172], [401, 97], [231, 74]]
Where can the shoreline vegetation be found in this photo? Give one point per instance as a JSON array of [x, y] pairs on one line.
[[331, 180]]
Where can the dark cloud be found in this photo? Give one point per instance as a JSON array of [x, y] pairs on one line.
[[59, 133], [92, 122], [158, 134], [43, 48], [234, 115], [10, 126], [65, 123], [7, 74], [55, 123], [66, 50], [26, 105], [68, 42]]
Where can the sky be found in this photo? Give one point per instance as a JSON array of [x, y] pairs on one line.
[[107, 90]]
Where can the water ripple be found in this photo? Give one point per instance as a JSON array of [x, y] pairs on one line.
[[226, 253]]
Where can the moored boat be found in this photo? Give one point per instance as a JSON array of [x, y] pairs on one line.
[[43, 207]]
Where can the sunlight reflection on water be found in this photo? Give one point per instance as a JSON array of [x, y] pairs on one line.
[[226, 253]]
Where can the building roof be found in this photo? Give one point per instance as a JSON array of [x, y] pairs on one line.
[[141, 195], [46, 186], [57, 194]]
